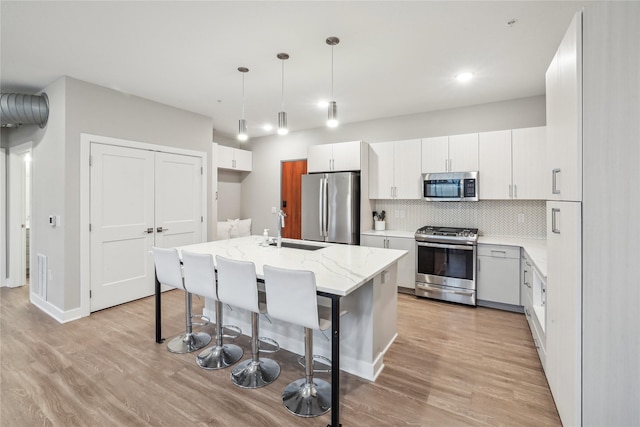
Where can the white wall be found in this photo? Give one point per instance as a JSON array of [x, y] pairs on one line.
[[611, 202], [229, 194], [261, 188], [78, 107], [48, 165]]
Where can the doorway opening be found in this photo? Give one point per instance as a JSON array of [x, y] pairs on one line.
[[20, 202], [291, 196]]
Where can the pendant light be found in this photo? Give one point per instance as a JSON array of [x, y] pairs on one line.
[[242, 123], [332, 116], [282, 115]]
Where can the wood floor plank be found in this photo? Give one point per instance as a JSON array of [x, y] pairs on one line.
[[451, 365]]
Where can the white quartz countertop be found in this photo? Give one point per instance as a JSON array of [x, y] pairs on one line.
[[535, 248], [390, 233], [339, 269]]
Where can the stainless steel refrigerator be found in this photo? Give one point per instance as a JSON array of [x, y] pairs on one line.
[[331, 207]]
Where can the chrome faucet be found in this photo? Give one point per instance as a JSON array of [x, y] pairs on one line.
[[281, 216]]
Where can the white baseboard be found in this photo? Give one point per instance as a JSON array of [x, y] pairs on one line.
[[53, 311]]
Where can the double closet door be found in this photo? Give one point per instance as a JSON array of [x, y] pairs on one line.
[[139, 199]]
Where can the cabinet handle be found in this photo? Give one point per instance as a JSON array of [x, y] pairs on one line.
[[515, 191], [554, 220], [478, 258], [504, 253], [148, 230], [450, 165], [554, 181], [510, 191], [446, 165]]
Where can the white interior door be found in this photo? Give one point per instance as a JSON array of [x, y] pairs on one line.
[[122, 224], [178, 200], [19, 201]]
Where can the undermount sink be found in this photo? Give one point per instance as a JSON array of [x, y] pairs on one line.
[[302, 246]]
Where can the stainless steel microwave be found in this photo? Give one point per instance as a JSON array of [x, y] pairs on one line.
[[450, 187]]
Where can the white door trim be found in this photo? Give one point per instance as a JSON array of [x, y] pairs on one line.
[[17, 243], [85, 199]]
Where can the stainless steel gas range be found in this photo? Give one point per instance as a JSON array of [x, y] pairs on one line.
[[446, 263]]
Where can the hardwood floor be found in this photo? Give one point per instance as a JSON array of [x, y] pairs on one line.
[[451, 365]]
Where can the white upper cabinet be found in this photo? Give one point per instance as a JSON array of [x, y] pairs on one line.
[[564, 116], [343, 156], [394, 170], [381, 170], [511, 164], [494, 158], [406, 169], [435, 154], [463, 153], [529, 153], [234, 158], [455, 153]]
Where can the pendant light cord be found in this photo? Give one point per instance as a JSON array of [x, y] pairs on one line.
[[282, 84], [242, 95], [332, 73]]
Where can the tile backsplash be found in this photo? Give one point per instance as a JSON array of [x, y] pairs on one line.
[[505, 218]]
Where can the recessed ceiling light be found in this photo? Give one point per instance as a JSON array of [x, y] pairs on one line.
[[323, 103], [464, 77], [267, 127]]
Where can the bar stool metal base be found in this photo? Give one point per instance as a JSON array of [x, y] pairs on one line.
[[251, 374], [219, 357], [307, 399], [189, 342]]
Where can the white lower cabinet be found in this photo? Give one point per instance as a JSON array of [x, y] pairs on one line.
[[564, 309], [406, 265], [533, 299], [498, 275]]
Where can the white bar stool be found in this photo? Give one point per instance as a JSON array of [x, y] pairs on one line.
[[238, 286], [291, 296], [169, 272], [200, 279]]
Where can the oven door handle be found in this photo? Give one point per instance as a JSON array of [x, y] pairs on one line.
[[444, 290], [445, 246]]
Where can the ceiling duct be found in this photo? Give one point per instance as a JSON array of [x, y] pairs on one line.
[[18, 109]]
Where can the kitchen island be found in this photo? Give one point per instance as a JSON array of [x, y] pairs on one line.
[[360, 280]]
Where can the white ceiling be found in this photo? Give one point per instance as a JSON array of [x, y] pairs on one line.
[[394, 57]]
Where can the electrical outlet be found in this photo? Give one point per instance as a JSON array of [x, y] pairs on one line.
[[521, 217], [273, 209]]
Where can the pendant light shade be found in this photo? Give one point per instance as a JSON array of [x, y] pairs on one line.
[[282, 115], [332, 120], [332, 114], [242, 130], [242, 123], [282, 123]]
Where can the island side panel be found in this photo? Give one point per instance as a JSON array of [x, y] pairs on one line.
[[366, 331], [385, 314]]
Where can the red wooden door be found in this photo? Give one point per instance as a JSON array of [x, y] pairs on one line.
[[291, 193]]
